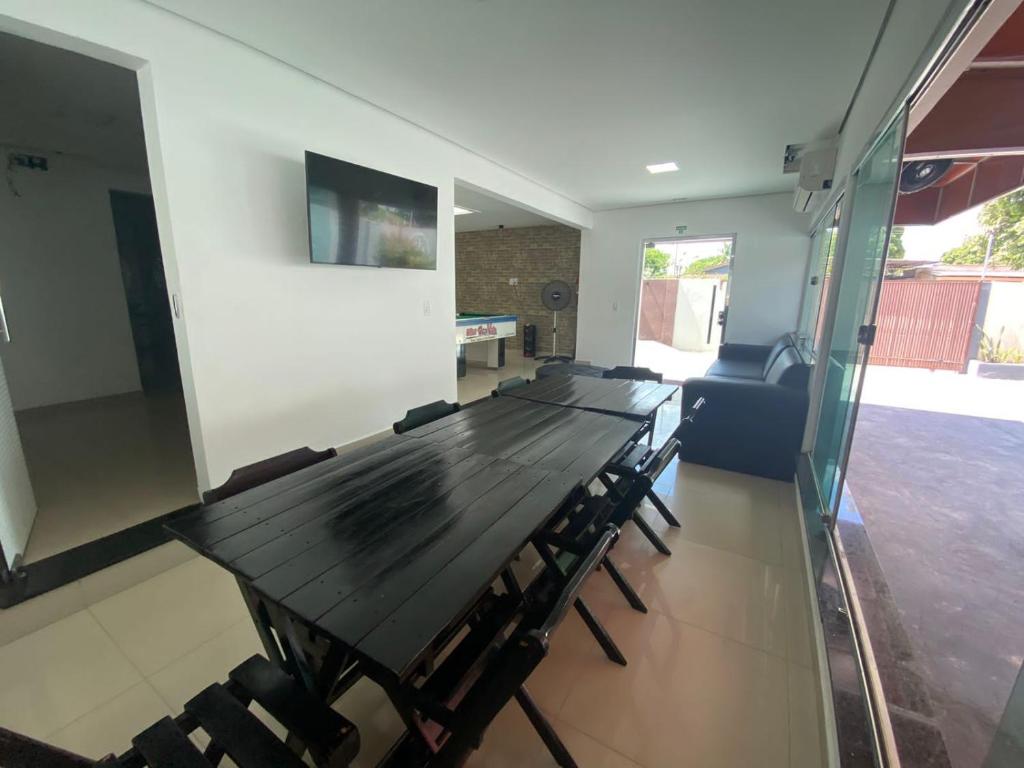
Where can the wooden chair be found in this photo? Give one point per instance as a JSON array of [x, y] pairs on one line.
[[637, 373], [630, 477], [424, 414], [222, 712], [573, 534], [251, 475], [508, 385], [485, 670]]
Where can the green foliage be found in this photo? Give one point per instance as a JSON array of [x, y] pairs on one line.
[[1004, 218], [700, 266], [655, 263], [992, 350], [896, 249]]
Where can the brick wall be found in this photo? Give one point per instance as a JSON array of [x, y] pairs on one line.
[[484, 262]]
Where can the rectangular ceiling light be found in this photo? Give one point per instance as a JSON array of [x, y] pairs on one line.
[[460, 211], [662, 168]]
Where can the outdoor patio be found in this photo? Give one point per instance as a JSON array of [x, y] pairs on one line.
[[936, 485], [674, 364]]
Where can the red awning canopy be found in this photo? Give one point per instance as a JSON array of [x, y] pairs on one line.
[[979, 124]]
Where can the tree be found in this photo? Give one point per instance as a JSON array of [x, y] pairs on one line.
[[655, 263], [1004, 219], [700, 266], [896, 248]]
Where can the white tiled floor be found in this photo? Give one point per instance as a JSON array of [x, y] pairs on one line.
[[479, 382], [100, 466], [719, 671]]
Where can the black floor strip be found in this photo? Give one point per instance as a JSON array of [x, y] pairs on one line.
[[52, 572]]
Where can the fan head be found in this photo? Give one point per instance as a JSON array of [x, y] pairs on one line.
[[921, 174], [556, 295]]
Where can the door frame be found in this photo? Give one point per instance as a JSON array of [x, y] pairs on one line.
[[158, 189], [733, 236]]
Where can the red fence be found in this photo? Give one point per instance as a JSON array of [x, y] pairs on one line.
[[658, 310], [925, 324]]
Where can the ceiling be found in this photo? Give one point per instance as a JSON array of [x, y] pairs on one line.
[[492, 213], [580, 95], [59, 100]]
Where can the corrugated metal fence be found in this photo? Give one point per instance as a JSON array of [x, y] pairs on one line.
[[925, 324], [658, 310]]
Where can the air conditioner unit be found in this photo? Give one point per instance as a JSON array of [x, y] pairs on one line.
[[817, 167]]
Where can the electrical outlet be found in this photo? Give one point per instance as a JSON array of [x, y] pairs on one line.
[[513, 281], [426, 307]]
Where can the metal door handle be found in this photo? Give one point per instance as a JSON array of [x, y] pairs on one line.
[[5, 332]]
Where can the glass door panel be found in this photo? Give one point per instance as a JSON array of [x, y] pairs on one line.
[[870, 220]]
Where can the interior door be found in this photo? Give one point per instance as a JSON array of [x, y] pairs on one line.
[[873, 203], [145, 287], [17, 502]]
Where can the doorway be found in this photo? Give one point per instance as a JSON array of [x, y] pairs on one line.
[[684, 299], [94, 424]]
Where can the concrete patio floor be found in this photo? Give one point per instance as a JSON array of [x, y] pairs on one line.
[[674, 364], [935, 475]]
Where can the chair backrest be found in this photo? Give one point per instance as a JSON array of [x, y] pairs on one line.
[[505, 672], [424, 414], [221, 710], [244, 478], [507, 385], [635, 373]]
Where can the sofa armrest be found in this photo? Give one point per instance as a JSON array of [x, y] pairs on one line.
[[749, 427]]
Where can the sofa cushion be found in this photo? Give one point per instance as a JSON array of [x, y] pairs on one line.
[[788, 369], [736, 369], [782, 344]]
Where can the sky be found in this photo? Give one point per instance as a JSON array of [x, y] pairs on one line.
[[929, 243]]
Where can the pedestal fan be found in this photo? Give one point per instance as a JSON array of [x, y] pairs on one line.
[[556, 296]]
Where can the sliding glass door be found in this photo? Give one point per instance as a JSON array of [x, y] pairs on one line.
[[850, 331]]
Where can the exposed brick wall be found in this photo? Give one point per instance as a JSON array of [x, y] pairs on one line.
[[484, 262]]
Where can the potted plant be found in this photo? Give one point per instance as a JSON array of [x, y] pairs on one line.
[[996, 360]]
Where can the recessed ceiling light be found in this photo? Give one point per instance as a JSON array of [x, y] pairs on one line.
[[662, 168], [460, 211]]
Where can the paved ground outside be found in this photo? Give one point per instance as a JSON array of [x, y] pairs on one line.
[[674, 364], [935, 472]]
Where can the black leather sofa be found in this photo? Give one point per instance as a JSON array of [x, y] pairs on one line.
[[755, 407]]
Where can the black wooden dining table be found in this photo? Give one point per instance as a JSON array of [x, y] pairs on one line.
[[375, 557], [637, 400]]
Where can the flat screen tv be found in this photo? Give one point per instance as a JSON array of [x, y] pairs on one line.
[[368, 218]]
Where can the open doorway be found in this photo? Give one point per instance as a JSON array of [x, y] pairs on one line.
[[505, 258], [94, 419], [684, 299]]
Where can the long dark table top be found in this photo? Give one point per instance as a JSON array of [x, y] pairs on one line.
[[385, 547], [550, 437], [622, 397]]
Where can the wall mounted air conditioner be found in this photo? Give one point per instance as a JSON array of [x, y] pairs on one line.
[[817, 167]]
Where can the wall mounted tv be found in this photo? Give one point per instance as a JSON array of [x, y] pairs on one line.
[[368, 218]]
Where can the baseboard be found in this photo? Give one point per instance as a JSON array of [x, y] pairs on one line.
[[78, 562]]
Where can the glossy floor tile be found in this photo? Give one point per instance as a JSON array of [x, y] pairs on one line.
[[479, 382], [162, 618], [100, 466], [720, 670]]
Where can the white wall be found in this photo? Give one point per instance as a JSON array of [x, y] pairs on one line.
[[914, 30], [277, 352], [697, 300], [60, 275], [771, 253]]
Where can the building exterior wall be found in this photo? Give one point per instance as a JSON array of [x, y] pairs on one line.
[[485, 262]]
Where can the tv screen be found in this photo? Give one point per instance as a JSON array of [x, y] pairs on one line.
[[367, 218]]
